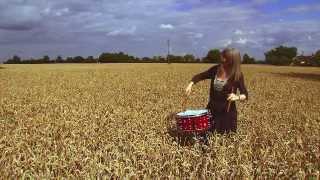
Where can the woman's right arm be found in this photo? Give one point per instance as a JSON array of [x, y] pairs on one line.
[[199, 77], [202, 76]]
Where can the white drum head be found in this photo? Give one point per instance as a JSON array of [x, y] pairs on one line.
[[195, 112]]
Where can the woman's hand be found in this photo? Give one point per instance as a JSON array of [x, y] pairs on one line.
[[234, 97], [188, 89]]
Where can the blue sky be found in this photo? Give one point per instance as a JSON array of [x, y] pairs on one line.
[[34, 28]]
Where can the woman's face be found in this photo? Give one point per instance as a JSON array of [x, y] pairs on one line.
[[225, 61]]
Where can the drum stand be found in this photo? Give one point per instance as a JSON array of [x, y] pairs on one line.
[[201, 138]]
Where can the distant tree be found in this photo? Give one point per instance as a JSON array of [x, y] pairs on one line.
[[317, 58], [158, 59], [281, 55], [155, 58], [59, 59], [213, 56], [146, 59], [90, 59], [69, 60], [260, 62], [247, 59], [137, 60], [31, 61], [116, 58], [176, 59], [15, 60], [78, 59], [189, 58], [45, 59], [105, 57]]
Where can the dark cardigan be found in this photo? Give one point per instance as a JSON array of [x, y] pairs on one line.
[[223, 120]]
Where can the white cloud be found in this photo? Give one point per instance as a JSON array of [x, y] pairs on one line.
[[123, 31], [46, 11], [61, 12], [198, 35], [238, 32], [166, 26], [225, 42], [139, 39], [20, 17], [204, 47], [263, 1], [242, 41], [304, 8], [195, 35]]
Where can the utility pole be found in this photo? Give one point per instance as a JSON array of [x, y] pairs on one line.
[[168, 60]]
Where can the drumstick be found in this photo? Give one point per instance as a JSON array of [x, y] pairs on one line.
[[184, 102], [229, 101]]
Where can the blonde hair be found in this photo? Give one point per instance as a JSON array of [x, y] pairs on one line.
[[233, 55]]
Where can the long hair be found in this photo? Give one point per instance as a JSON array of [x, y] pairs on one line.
[[233, 55]]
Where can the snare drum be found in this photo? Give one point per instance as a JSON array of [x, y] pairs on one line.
[[194, 121]]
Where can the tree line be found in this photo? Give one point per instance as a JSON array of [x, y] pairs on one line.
[[281, 55]]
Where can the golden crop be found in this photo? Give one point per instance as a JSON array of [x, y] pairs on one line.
[[111, 120]]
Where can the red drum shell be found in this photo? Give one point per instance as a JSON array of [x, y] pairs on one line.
[[191, 124]]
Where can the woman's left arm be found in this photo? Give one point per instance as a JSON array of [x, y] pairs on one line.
[[242, 89]]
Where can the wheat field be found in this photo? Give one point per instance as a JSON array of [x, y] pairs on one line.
[[101, 121]]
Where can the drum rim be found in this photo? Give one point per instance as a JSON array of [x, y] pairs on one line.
[[188, 116], [198, 115]]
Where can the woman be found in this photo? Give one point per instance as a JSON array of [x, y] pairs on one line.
[[226, 78]]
